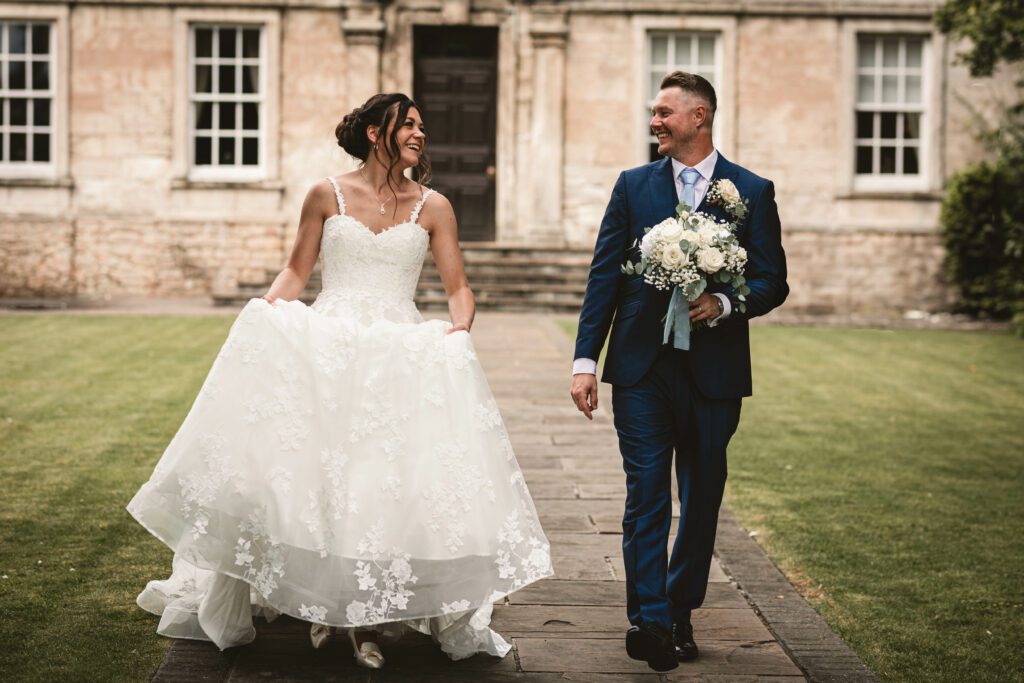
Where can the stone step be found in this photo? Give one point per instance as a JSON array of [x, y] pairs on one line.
[[506, 277]]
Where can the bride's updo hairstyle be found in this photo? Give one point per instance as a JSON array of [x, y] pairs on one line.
[[380, 110]]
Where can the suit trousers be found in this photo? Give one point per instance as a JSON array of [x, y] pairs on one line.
[[661, 418]]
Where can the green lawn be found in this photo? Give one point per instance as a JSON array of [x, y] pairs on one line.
[[87, 404], [884, 472]]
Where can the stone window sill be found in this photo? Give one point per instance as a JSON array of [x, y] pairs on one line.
[[262, 185], [895, 195], [64, 182]]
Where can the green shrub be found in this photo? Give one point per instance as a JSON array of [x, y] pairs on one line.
[[983, 230]]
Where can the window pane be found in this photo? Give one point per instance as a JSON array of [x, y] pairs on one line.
[[707, 51], [911, 126], [865, 88], [913, 89], [204, 42], [227, 79], [2, 150], [204, 78], [865, 124], [19, 112], [19, 147], [41, 39], [226, 152], [915, 48], [250, 79], [890, 52], [2, 108], [40, 75], [16, 45], [204, 115], [251, 43], [250, 116], [40, 147], [41, 112], [864, 160], [684, 54], [250, 152], [656, 77], [889, 125], [227, 42], [910, 165], [890, 89], [659, 50], [203, 152], [16, 75], [888, 160], [227, 116], [866, 52]]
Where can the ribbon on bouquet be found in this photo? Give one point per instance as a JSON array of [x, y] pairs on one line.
[[677, 321]]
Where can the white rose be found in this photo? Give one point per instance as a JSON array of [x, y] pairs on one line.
[[672, 257], [647, 244], [690, 236], [710, 260], [728, 191], [741, 253], [706, 236], [670, 230]]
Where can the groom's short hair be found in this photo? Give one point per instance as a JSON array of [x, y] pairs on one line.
[[693, 84]]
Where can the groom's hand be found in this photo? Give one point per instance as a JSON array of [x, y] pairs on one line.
[[705, 307], [584, 393]]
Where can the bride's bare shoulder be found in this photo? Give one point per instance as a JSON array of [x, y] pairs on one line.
[[436, 211]]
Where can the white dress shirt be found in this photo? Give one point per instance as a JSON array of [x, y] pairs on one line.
[[706, 169]]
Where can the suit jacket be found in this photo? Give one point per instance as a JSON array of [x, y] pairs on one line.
[[719, 356]]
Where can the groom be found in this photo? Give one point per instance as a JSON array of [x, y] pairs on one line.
[[669, 403]]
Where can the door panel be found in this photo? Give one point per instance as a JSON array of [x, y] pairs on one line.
[[456, 87]]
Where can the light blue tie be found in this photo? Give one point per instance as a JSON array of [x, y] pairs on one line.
[[689, 177]]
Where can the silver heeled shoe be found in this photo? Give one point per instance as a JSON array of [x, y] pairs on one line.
[[319, 634], [367, 654]]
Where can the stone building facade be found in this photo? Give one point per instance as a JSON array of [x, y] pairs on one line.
[[157, 148]]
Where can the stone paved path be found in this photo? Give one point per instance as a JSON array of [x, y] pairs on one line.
[[569, 628]]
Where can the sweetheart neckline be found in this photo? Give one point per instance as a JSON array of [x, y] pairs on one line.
[[369, 230]]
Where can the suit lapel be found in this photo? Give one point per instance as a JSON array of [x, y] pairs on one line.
[[723, 169], [662, 190]]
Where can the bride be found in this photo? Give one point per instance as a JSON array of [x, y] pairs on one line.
[[345, 463]]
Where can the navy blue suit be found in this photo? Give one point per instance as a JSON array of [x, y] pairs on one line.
[[668, 402]]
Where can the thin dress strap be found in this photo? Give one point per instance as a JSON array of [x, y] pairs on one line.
[[419, 206], [337, 195]]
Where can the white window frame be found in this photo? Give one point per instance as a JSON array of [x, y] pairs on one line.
[[56, 167], [724, 29], [186, 172], [928, 178], [675, 64]]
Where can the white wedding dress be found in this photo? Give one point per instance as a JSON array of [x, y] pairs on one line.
[[346, 464]]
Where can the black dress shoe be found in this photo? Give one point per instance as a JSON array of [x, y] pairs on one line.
[[682, 640], [652, 644]]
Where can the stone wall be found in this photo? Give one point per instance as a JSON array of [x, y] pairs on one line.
[[123, 219]]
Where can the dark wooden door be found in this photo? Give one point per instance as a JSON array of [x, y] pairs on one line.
[[456, 87]]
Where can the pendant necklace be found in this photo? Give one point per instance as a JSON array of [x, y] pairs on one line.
[[377, 196]]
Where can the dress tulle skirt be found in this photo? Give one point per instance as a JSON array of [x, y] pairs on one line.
[[343, 473]]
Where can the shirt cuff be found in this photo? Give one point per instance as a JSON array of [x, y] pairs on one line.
[[584, 366], [726, 309]]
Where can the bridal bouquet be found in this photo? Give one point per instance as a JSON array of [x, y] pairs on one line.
[[687, 252]]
